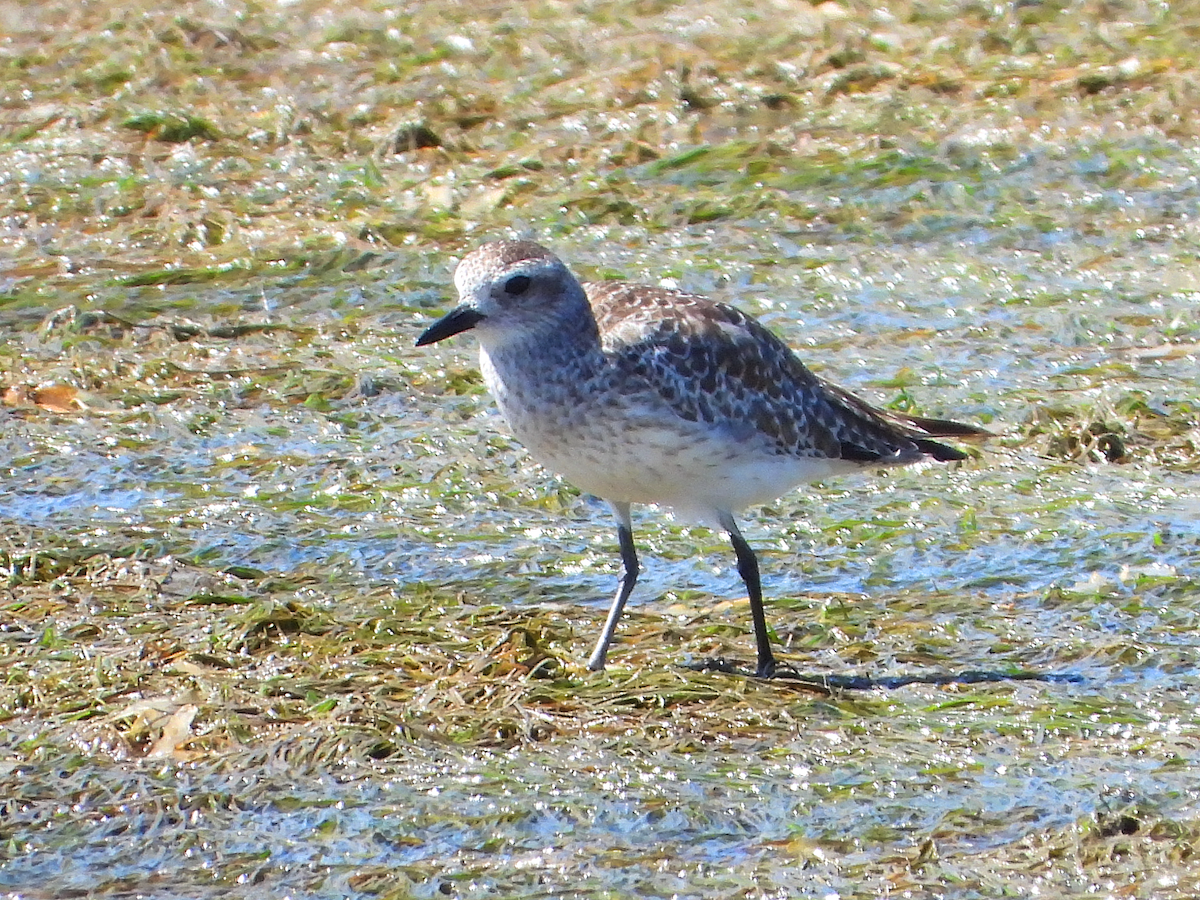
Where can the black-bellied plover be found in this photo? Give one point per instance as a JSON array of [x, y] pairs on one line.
[[640, 394]]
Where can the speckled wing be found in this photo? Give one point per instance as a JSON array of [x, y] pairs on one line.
[[712, 364]]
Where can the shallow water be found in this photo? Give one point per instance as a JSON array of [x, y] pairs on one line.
[[240, 477], [1079, 570], [1052, 283], [823, 812]]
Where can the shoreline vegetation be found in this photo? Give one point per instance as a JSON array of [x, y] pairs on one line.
[[286, 609]]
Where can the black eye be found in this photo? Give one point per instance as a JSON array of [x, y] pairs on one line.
[[518, 284]]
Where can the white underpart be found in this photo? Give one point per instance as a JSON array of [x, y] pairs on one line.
[[632, 454]]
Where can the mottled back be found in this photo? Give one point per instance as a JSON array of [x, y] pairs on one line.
[[714, 364]]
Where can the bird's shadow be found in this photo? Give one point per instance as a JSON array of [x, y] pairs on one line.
[[787, 674]]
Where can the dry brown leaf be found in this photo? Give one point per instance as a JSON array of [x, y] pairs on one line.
[[60, 398], [178, 730], [57, 398], [15, 395]]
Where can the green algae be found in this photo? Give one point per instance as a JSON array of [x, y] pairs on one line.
[[285, 608]]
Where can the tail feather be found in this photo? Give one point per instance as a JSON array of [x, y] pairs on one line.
[[945, 428], [940, 452], [876, 432]]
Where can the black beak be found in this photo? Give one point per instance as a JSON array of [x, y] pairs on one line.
[[458, 320]]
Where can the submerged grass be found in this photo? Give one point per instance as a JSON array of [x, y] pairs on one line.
[[411, 126], [285, 610]]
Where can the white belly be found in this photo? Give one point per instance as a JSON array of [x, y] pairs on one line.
[[637, 450], [696, 475]]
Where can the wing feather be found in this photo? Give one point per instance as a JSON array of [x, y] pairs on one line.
[[713, 364]]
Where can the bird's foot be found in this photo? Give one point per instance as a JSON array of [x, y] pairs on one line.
[[717, 664], [766, 668], [781, 673]]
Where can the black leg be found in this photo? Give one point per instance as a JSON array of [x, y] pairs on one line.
[[748, 569], [629, 577]]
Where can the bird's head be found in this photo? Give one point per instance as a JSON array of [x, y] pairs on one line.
[[509, 290]]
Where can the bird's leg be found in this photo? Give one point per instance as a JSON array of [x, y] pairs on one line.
[[629, 577], [748, 569]]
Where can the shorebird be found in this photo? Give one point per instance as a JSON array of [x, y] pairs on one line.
[[640, 394]]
